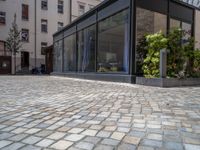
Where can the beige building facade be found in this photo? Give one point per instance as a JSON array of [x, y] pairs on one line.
[[37, 20]]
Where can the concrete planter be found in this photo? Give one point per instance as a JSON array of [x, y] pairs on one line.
[[165, 82]]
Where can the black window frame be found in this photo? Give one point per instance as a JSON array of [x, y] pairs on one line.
[[60, 25], [60, 6], [43, 46], [27, 31], [2, 18], [25, 17], [44, 4], [44, 27]]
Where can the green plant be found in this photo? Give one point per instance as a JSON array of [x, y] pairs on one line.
[[155, 42], [196, 64], [141, 54], [176, 57], [13, 42], [114, 69]]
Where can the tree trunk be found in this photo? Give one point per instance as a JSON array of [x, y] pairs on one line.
[[15, 63]]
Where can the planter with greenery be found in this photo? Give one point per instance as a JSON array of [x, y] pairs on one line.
[[183, 60]]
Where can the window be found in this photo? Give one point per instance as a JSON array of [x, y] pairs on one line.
[[86, 49], [81, 9], [113, 43], [25, 35], [25, 14], [2, 48], [43, 46], [91, 6], [57, 53], [70, 53], [60, 6], [44, 4], [60, 25], [148, 22], [44, 25], [186, 27], [2, 18]]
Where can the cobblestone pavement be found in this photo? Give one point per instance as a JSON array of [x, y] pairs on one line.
[[61, 113]]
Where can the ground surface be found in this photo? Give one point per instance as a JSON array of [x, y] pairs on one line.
[[60, 113]]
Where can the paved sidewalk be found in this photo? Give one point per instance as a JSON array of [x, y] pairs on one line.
[[61, 113]]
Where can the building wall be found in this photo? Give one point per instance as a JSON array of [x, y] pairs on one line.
[[197, 27], [15, 6], [87, 3]]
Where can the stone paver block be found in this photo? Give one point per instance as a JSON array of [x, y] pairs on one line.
[[45, 143], [14, 146], [131, 140], [62, 144], [117, 136], [90, 132], [85, 145], [74, 137], [4, 143], [56, 135], [31, 140]]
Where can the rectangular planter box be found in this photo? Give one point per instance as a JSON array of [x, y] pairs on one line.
[[166, 82]]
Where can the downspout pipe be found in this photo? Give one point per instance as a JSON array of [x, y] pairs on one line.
[[35, 45]]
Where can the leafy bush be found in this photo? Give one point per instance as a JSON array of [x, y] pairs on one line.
[[141, 54], [196, 65], [155, 43], [182, 61]]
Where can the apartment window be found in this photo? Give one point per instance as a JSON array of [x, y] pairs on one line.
[[25, 35], [91, 6], [43, 46], [60, 25], [81, 9], [60, 6], [2, 18], [44, 4], [44, 25], [2, 46], [25, 12]]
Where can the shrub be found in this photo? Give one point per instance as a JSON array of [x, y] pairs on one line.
[[155, 43]]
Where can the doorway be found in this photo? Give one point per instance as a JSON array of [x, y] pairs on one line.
[[25, 59]]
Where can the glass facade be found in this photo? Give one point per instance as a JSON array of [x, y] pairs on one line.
[[86, 49], [104, 41], [147, 22], [113, 43], [70, 53], [57, 60], [186, 27]]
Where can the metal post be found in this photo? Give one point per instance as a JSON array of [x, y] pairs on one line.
[[163, 63]]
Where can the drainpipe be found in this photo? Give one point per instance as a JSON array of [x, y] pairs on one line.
[[70, 11], [35, 46]]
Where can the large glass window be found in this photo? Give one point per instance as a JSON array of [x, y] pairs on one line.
[[86, 50], [70, 53], [186, 27], [113, 43], [57, 65], [147, 22]]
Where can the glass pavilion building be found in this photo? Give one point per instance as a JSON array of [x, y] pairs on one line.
[[102, 44]]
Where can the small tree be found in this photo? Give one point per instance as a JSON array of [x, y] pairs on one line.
[[13, 42]]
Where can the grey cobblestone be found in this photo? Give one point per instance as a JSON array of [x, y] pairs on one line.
[[41, 112]]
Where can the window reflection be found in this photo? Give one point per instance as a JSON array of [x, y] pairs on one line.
[[148, 22], [70, 53], [57, 67], [113, 43], [86, 49]]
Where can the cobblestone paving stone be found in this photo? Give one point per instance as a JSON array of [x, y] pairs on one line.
[[42, 112]]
